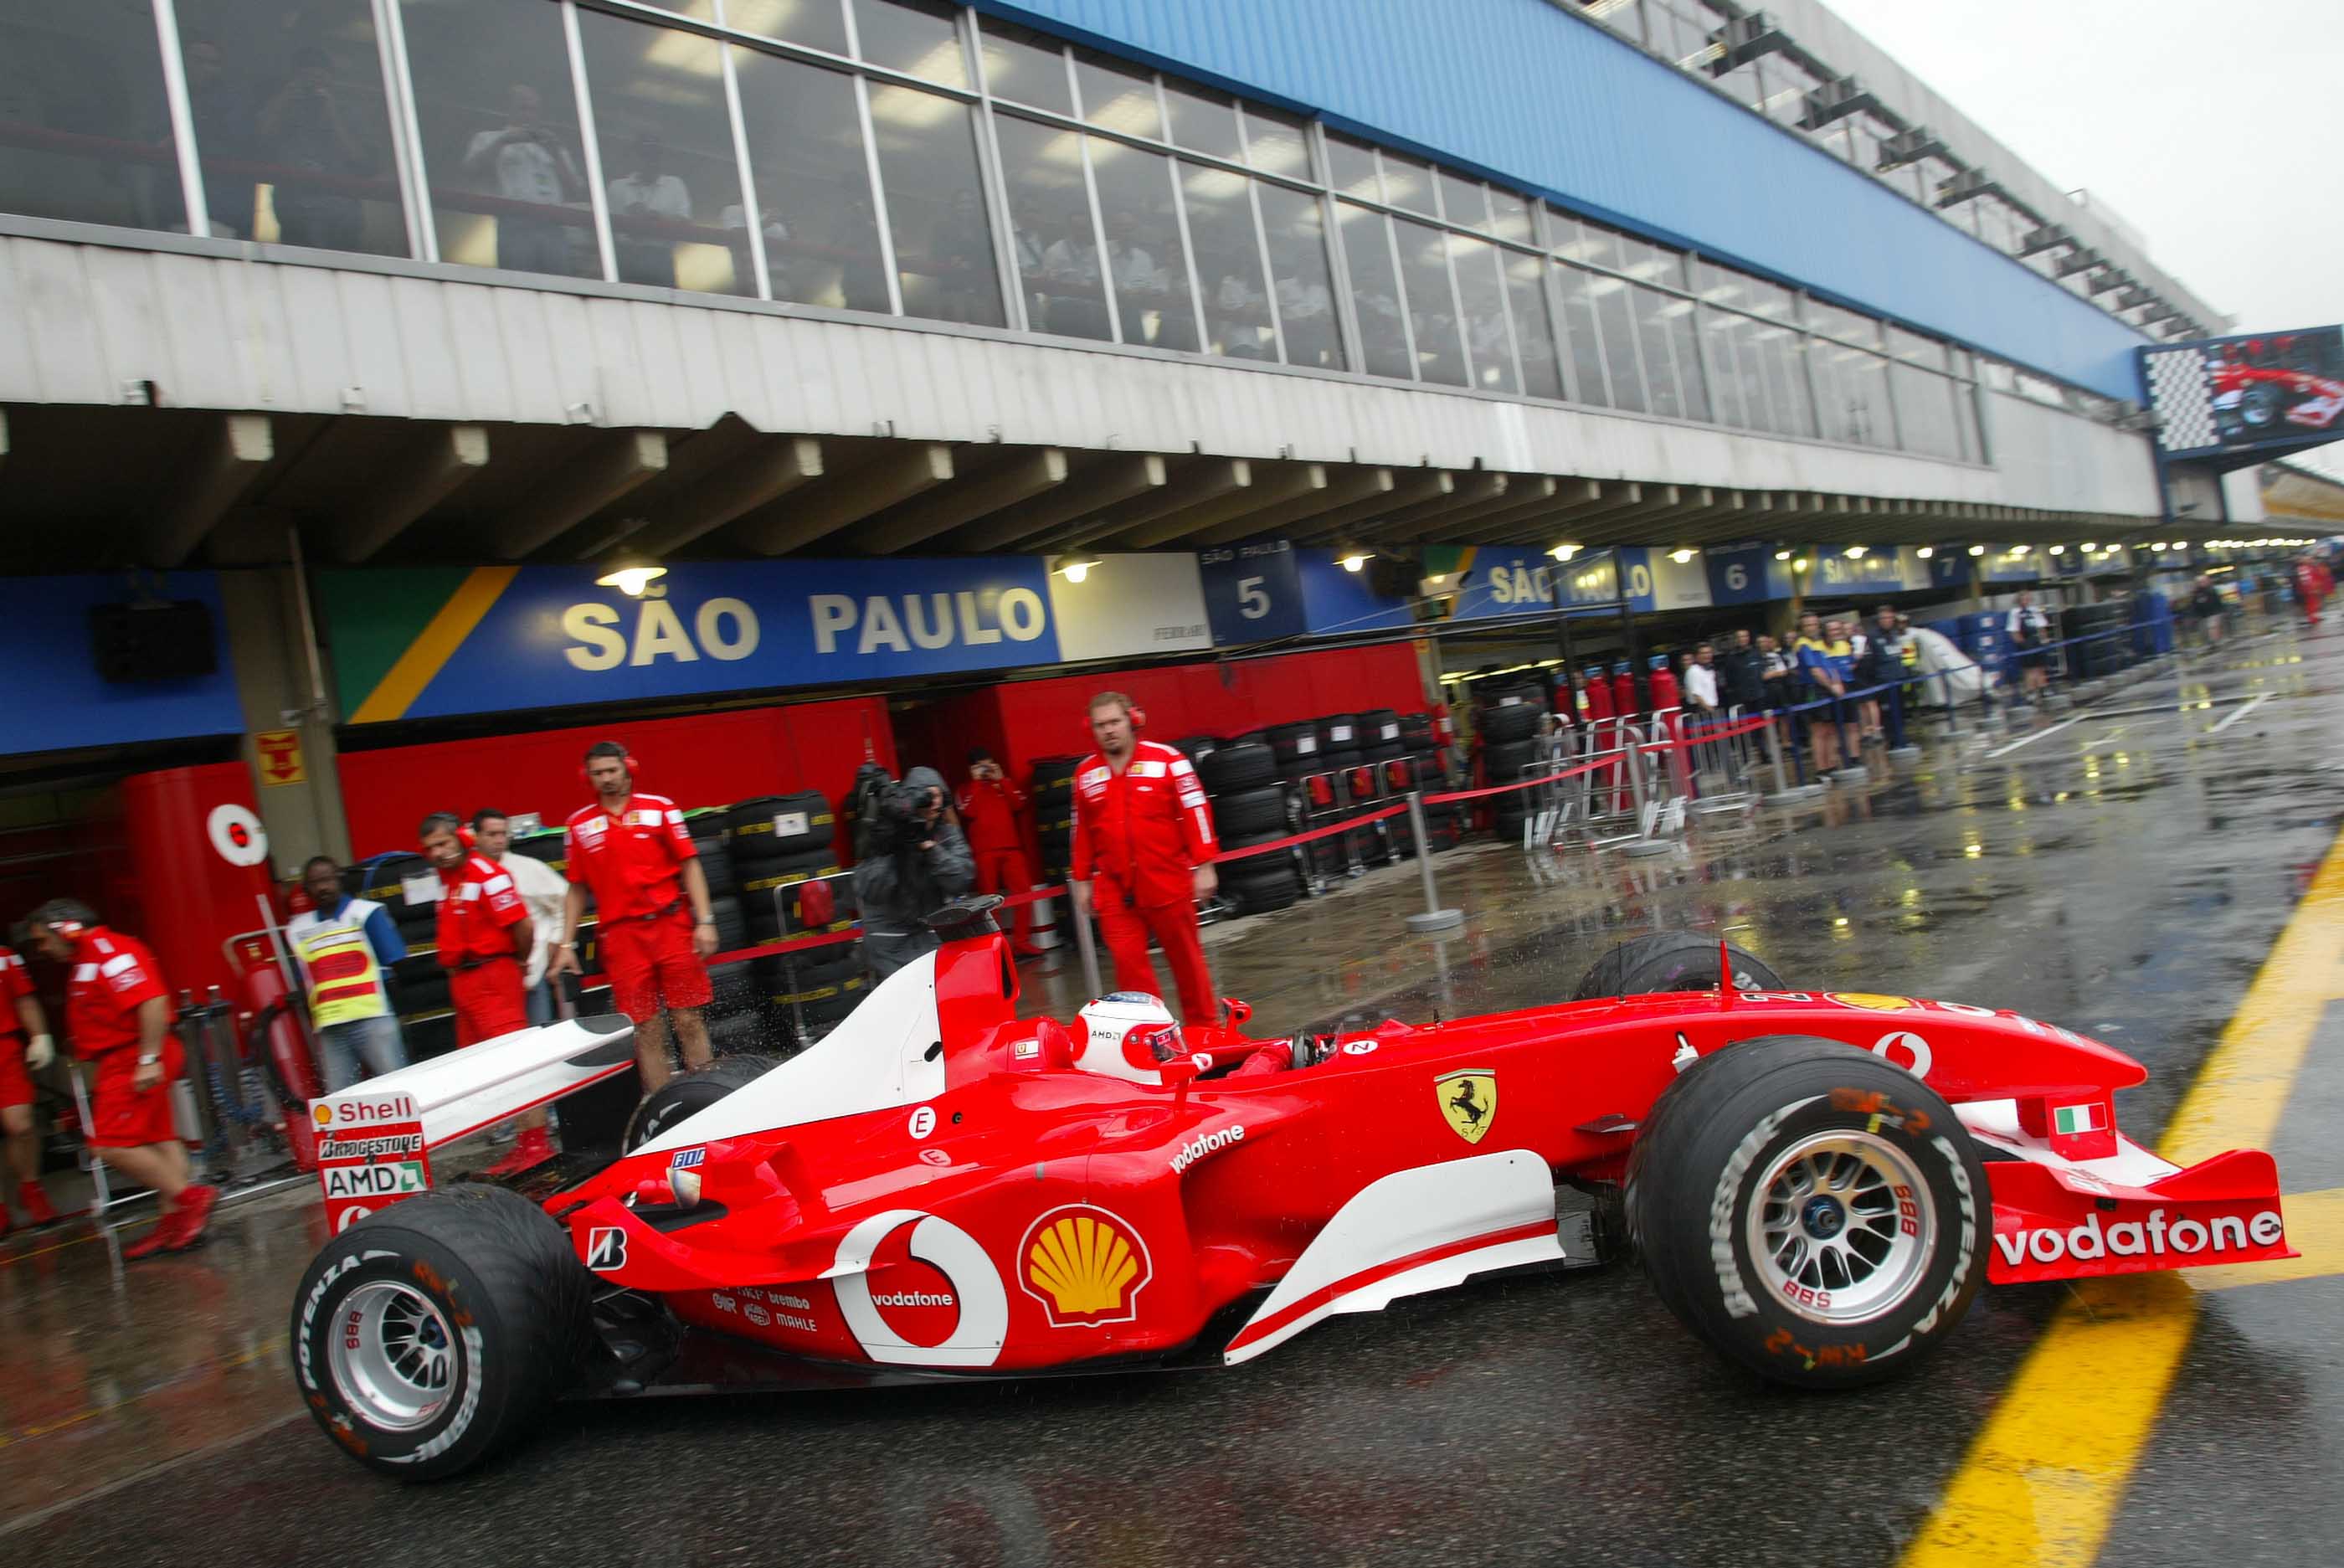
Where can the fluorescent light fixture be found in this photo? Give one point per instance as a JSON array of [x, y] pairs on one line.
[[1782, 555], [2022, 550], [1076, 567], [2058, 550], [1855, 552], [1564, 551], [1680, 556], [1978, 549], [1926, 551], [2087, 545], [1352, 561], [1800, 564]]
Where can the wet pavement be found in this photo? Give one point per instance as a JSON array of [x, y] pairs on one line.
[[2125, 875]]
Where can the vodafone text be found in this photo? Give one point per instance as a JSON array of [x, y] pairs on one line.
[[2152, 1237], [1211, 1143]]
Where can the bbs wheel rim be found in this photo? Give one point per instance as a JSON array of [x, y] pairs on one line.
[[1842, 1226], [392, 1356]]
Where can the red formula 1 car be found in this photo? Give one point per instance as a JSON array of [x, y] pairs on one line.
[[1817, 1183], [2255, 403]]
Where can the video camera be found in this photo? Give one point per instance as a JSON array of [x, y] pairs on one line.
[[904, 817]]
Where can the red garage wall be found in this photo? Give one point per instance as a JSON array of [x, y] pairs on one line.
[[711, 759], [1027, 719]]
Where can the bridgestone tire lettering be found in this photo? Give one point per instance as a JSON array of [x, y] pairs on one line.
[[500, 1273], [1691, 1184]]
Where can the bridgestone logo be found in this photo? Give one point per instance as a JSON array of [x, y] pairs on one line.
[[1211, 1143], [2141, 1238], [369, 1148], [915, 1299]]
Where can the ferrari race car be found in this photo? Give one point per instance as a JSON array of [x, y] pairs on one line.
[[2253, 402], [1816, 1184]]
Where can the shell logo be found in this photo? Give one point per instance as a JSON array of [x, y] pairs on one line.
[[1086, 1266], [323, 1114], [1873, 1002]]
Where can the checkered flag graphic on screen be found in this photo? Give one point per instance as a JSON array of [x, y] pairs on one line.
[[2181, 390]]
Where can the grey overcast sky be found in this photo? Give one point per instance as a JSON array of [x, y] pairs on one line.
[[2209, 127]]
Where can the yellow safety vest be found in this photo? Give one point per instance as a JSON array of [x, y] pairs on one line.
[[345, 980]]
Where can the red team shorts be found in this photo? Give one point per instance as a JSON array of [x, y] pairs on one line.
[[487, 1001], [125, 1118], [16, 1079], [652, 964]]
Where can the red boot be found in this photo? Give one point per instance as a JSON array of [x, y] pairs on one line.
[[531, 1149], [194, 1213], [159, 1239], [35, 1200]]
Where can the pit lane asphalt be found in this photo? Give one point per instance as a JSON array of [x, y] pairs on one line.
[[2124, 876]]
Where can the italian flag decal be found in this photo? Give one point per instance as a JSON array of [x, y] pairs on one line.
[[2070, 1118]]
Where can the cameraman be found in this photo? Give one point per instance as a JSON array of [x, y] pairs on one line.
[[990, 808], [918, 863]]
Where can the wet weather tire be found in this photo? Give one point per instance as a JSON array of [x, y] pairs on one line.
[[1813, 1213], [1671, 961], [689, 1094], [430, 1333]]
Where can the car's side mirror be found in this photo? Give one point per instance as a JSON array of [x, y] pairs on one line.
[[1182, 1071]]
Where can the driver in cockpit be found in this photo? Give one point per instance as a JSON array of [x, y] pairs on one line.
[[1131, 1035]]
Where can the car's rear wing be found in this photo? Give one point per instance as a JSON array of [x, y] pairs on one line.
[[375, 1139]]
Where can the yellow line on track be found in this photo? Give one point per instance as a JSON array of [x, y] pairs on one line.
[[2043, 1479]]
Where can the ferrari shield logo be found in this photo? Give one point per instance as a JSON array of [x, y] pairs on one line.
[[1468, 1100]]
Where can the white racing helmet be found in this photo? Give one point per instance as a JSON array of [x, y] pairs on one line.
[[1128, 1035]]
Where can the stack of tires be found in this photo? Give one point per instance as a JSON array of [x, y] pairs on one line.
[[1050, 787], [776, 842], [1421, 763], [1507, 721], [781, 847], [1251, 806]]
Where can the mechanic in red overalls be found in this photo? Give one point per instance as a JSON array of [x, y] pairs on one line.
[[1143, 854], [119, 1015], [2313, 583], [25, 1049], [634, 852], [484, 938], [989, 809]]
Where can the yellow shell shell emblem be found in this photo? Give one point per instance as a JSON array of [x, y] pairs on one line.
[[324, 1113], [1086, 1266], [1873, 1002]]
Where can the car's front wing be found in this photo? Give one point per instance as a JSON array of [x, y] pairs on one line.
[[2061, 1215]]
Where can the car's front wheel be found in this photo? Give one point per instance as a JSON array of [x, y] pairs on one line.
[[1813, 1212], [430, 1333]]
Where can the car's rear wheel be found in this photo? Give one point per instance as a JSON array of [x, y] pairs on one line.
[[689, 1094], [1671, 961], [426, 1335], [1814, 1213]]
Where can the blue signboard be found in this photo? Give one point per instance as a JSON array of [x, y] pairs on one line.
[[499, 638], [1335, 601], [1496, 581], [1746, 573], [1253, 592], [1838, 572], [55, 699]]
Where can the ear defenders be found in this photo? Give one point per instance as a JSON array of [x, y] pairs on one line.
[[466, 836], [634, 767]]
